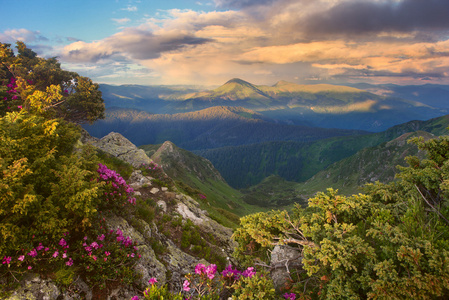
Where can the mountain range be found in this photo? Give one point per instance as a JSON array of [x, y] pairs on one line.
[[252, 132], [320, 105], [367, 165]]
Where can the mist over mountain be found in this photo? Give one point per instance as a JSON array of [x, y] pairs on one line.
[[435, 95]]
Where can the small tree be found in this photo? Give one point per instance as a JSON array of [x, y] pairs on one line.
[[40, 85]]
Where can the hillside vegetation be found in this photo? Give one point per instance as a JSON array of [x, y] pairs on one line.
[[197, 177], [369, 165]]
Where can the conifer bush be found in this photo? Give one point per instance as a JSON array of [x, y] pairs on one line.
[[391, 242]]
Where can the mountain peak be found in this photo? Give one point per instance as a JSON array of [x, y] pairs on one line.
[[281, 83], [238, 81], [238, 89]]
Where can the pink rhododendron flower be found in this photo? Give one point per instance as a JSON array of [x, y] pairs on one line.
[[152, 280], [185, 286], [69, 262], [210, 271], [249, 272], [291, 296], [6, 260], [199, 268], [62, 242]]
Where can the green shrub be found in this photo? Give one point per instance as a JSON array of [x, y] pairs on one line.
[[65, 276], [258, 286], [145, 211], [47, 189]]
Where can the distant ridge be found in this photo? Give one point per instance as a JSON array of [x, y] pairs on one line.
[[217, 126]]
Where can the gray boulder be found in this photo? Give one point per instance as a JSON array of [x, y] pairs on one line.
[[284, 261]]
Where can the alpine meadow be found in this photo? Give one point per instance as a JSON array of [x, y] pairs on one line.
[[222, 149]]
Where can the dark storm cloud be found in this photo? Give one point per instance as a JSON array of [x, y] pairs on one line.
[[359, 17], [242, 3]]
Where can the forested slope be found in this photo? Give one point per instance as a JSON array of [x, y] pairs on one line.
[[247, 165]]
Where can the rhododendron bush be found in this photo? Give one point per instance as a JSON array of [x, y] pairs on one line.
[[206, 283]]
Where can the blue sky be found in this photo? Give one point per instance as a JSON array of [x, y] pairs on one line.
[[207, 42]]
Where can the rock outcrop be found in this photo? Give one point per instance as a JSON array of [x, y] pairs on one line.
[[120, 147]]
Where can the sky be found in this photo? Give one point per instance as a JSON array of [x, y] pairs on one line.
[[208, 42]]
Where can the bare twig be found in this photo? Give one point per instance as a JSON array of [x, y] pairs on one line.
[[433, 207], [298, 242]]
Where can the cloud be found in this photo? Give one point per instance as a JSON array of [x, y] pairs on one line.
[[130, 8], [82, 52], [135, 43], [337, 57], [142, 44], [121, 21], [24, 35], [73, 39], [361, 17], [242, 3]]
